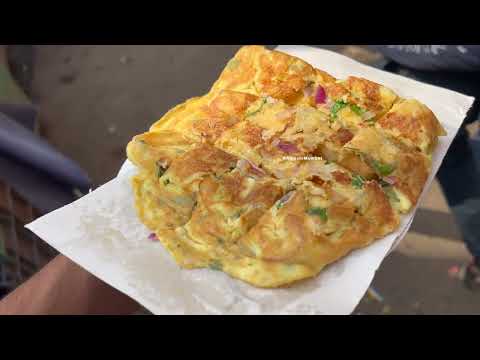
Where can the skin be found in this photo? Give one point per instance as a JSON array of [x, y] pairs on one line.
[[62, 287]]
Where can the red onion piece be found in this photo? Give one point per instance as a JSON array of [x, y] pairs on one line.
[[391, 180], [287, 147], [152, 237], [320, 96], [285, 198], [255, 169]]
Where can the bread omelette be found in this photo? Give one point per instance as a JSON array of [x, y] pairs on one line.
[[280, 169]]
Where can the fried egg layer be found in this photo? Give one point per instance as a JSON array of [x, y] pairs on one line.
[[280, 169]]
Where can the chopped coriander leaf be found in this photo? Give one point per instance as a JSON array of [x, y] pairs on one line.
[[216, 265], [383, 183], [358, 181], [381, 168], [391, 194], [264, 101], [357, 109], [322, 212], [166, 182], [339, 105], [160, 169]]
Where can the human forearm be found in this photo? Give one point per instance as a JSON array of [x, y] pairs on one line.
[[62, 287]]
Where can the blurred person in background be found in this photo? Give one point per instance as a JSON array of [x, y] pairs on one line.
[[455, 67]]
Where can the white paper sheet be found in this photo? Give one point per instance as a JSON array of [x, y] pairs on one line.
[[101, 232]]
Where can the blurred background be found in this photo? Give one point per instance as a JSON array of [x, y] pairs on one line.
[[88, 101]]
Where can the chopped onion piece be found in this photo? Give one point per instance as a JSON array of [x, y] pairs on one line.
[[287, 147], [152, 237], [256, 169], [284, 199], [368, 115], [391, 180], [320, 96]]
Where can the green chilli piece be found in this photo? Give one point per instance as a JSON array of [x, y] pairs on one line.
[[160, 169], [264, 101], [337, 106], [382, 168], [358, 181], [357, 109], [216, 265], [391, 194], [322, 212]]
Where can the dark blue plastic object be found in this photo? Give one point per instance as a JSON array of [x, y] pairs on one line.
[[19, 143]]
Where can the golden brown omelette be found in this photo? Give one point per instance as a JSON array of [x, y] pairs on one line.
[[280, 169]]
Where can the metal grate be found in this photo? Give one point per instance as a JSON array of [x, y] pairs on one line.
[[22, 253]]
